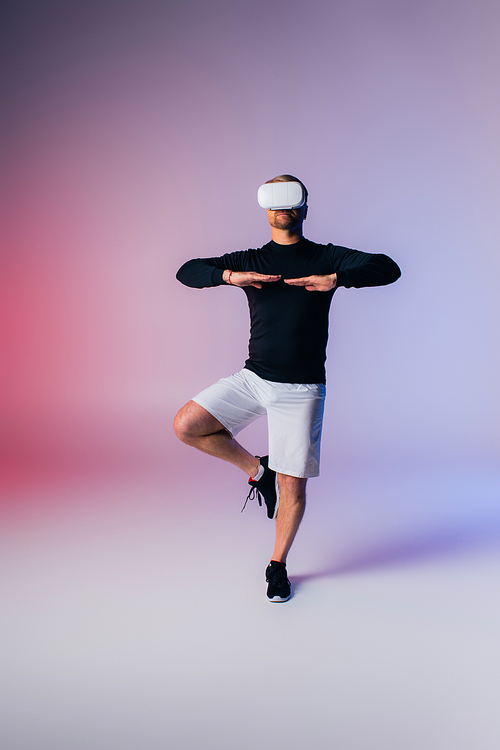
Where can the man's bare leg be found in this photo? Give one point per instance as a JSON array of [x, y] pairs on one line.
[[290, 512], [195, 426]]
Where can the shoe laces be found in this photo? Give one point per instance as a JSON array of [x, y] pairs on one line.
[[254, 493]]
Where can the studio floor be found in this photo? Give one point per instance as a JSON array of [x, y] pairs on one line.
[[134, 614]]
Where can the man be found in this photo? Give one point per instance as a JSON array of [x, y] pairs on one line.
[[289, 284]]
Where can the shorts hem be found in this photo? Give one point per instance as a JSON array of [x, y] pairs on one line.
[[301, 475]]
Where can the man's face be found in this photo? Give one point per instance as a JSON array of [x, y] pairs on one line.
[[287, 218]]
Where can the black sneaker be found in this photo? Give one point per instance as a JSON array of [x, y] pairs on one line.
[[266, 487], [279, 589]]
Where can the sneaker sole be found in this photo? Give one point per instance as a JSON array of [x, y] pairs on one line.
[[277, 599]]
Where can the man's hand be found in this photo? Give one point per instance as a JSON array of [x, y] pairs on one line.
[[247, 278], [315, 283]]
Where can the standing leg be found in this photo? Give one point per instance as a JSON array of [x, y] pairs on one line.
[[291, 509]]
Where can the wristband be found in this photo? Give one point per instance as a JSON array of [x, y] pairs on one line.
[[229, 277]]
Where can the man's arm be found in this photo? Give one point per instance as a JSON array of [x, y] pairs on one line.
[[204, 272], [352, 268], [201, 272]]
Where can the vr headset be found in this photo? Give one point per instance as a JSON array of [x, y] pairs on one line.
[[276, 195]]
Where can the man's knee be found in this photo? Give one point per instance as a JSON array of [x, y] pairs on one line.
[[182, 426], [193, 421]]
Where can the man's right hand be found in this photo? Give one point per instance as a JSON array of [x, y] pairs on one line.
[[247, 278]]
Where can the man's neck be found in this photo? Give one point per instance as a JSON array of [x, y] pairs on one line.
[[285, 237]]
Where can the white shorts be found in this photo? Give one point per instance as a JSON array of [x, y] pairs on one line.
[[294, 417]]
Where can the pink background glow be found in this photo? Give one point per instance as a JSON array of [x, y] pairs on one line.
[[134, 137]]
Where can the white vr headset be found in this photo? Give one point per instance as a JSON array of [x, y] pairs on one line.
[[276, 195]]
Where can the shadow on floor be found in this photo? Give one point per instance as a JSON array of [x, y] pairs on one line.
[[410, 550]]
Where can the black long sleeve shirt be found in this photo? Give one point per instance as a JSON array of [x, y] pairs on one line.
[[288, 324]]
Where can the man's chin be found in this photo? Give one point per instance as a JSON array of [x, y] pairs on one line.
[[285, 222]]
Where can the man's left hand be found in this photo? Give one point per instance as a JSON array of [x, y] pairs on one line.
[[315, 283]]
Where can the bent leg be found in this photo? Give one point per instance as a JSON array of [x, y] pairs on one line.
[[290, 512], [195, 426]]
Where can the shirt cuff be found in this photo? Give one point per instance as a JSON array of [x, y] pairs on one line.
[[341, 278], [217, 276]]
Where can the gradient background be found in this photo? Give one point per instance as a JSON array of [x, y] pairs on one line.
[[134, 137]]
